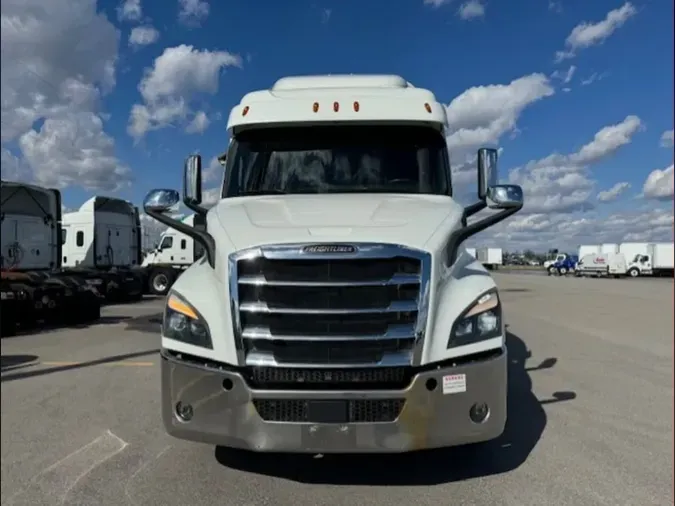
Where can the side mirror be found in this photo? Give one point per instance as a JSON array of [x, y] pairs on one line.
[[192, 180], [160, 201], [487, 171], [504, 196]]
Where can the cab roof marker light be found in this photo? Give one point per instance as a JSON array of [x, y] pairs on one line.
[[336, 106], [356, 106], [315, 107], [244, 112]]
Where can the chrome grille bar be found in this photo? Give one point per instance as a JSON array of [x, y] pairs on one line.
[[328, 309], [394, 307], [398, 279]]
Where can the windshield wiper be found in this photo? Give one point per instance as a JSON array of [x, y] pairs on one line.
[[247, 193]]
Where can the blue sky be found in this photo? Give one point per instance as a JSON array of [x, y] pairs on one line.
[[431, 46]]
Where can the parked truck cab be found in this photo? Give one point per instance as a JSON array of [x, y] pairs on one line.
[[334, 308]]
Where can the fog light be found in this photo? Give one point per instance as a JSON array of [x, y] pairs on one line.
[[184, 411], [479, 412]]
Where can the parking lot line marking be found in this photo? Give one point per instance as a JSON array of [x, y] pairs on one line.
[[53, 484], [123, 363]]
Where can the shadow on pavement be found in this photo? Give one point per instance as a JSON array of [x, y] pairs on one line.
[[46, 328], [525, 426], [78, 365], [148, 323], [13, 362]]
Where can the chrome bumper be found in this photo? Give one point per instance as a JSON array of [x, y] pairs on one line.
[[428, 419]]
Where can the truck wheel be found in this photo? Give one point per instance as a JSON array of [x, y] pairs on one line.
[[161, 281], [7, 325], [563, 271], [633, 272], [551, 271]]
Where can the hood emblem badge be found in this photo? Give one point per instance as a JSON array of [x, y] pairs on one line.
[[329, 248]]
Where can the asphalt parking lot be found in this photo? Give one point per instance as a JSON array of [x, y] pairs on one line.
[[590, 417]]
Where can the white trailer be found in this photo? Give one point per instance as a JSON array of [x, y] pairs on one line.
[[491, 258], [332, 310], [34, 288], [589, 249], [609, 248], [104, 234]]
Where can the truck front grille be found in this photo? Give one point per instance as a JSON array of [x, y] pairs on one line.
[[329, 310], [343, 411]]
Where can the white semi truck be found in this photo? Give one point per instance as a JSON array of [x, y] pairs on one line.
[[104, 235], [34, 288], [175, 252], [334, 308]]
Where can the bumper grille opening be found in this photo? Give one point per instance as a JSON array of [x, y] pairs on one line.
[[317, 352], [375, 378], [348, 411]]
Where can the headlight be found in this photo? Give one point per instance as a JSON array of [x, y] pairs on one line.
[[483, 320], [183, 323]]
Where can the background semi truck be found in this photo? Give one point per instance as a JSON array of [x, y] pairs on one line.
[[174, 253], [104, 236], [334, 308], [35, 290]]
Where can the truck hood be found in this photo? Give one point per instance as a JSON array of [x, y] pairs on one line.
[[409, 220]]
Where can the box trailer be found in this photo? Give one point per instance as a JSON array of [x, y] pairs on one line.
[[491, 258]]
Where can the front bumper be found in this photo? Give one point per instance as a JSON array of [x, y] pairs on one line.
[[428, 419]]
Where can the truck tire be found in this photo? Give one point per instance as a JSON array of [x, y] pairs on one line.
[[160, 281], [563, 271], [552, 270], [7, 321], [633, 272]]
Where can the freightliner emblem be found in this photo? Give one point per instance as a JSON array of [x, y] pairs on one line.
[[329, 248]]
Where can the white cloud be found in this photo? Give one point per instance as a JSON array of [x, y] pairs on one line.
[[614, 192], [213, 171], [667, 139], [325, 15], [541, 232], [178, 75], [659, 184], [586, 34], [471, 10], [565, 77], [130, 10], [58, 59], [143, 36], [193, 12], [482, 115], [562, 183], [555, 6], [436, 3], [74, 150], [199, 123]]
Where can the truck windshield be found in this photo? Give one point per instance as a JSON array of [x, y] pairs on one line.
[[338, 159]]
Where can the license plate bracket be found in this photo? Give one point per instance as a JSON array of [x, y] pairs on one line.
[[327, 411]]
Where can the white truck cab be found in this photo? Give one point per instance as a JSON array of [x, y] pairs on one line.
[[103, 233], [334, 308]]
